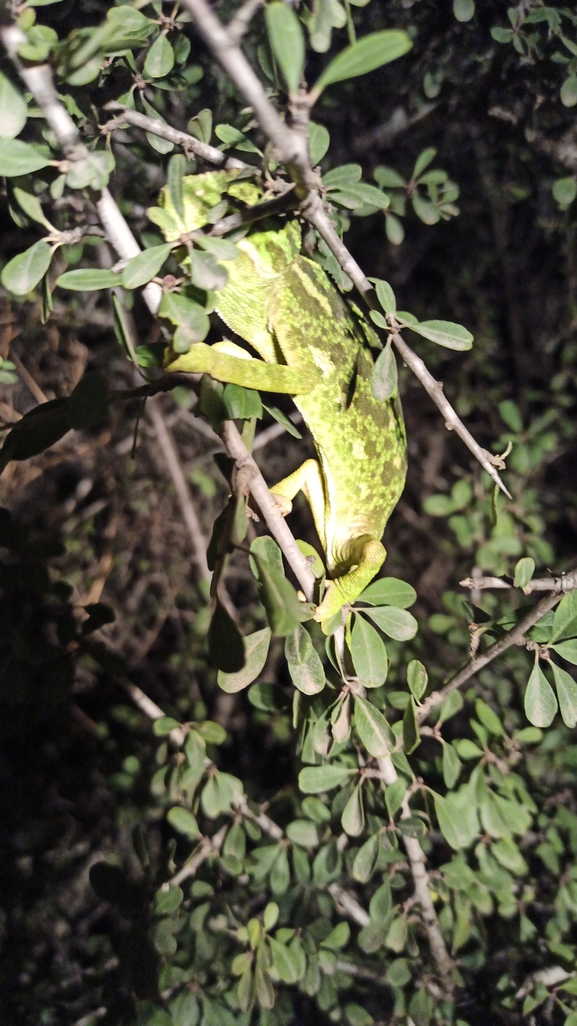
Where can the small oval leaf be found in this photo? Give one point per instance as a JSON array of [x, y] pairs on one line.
[[444, 333]]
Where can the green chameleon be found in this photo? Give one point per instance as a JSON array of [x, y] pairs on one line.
[[316, 347]]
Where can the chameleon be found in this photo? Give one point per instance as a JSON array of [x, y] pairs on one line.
[[312, 344]]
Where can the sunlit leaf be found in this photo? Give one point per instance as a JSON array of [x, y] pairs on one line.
[[369, 53], [287, 42], [540, 701]]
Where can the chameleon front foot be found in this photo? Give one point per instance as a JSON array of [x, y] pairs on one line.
[[346, 589]]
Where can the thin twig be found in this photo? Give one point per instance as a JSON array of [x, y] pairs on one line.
[[208, 846], [349, 905], [452, 421], [513, 637], [29, 381], [421, 880], [291, 146], [565, 583], [164, 131], [238, 25], [269, 508], [150, 708], [260, 819], [187, 507]]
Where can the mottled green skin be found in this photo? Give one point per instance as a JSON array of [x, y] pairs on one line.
[[316, 347]]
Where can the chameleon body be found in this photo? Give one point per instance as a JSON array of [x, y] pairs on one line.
[[314, 346]]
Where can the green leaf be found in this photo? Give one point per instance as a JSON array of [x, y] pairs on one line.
[[24, 271], [89, 401], [281, 418], [565, 619], [205, 272], [389, 591], [241, 403], [286, 961], [184, 822], [452, 765], [569, 91], [425, 210], [164, 725], [91, 171], [225, 643], [279, 598], [338, 937], [397, 623], [167, 901], [304, 663], [452, 704], [385, 295], [31, 206], [40, 428], [397, 934], [417, 679], [501, 817], [267, 549], [368, 194], [144, 266], [388, 178], [395, 795], [287, 42], [379, 319], [463, 10], [303, 832], [372, 728], [222, 249], [13, 109], [369, 53], [385, 378], [315, 779], [524, 571], [353, 817], [366, 859], [88, 279], [368, 653], [20, 158], [444, 333], [564, 190], [566, 694], [159, 59], [186, 314], [268, 698], [346, 174], [256, 648], [567, 650], [540, 701], [423, 161], [319, 141], [394, 229], [467, 749], [489, 718], [457, 816]]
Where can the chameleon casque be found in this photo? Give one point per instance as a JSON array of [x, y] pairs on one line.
[[316, 347]]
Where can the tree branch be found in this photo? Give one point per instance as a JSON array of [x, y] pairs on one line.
[[269, 508], [478, 662], [421, 882], [189, 514], [565, 583], [189, 143]]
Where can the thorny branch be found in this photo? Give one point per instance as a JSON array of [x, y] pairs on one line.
[[565, 583], [513, 637]]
